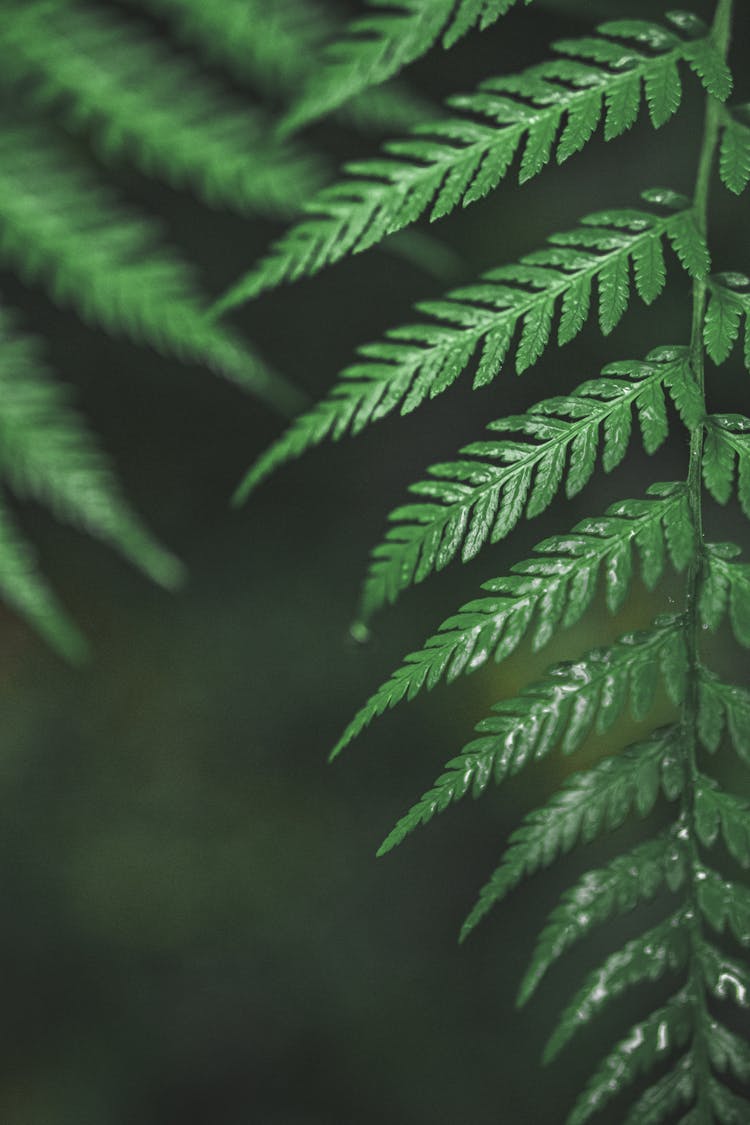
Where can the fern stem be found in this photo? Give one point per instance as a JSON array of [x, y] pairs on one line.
[[721, 32]]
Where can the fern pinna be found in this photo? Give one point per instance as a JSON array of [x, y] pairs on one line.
[[508, 318]]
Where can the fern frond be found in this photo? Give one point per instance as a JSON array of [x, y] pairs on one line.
[[675, 1090], [667, 1028], [662, 949], [60, 226], [139, 100], [599, 799], [724, 904], [379, 45], [723, 707], [729, 1053], [423, 360], [481, 498], [619, 887], [284, 57], [725, 589], [543, 592], [47, 454], [724, 976], [717, 811], [563, 708], [730, 1108], [726, 449], [459, 160], [728, 306], [734, 159], [23, 587]]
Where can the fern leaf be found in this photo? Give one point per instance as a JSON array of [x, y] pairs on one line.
[[423, 360], [380, 44], [724, 904], [109, 77], [726, 449], [600, 798], [457, 161], [666, 1096], [666, 1029], [729, 1108], [724, 976], [47, 453], [25, 590], [717, 811], [542, 592], [728, 306], [662, 949], [734, 157], [281, 60], [620, 886], [561, 709], [729, 1054], [723, 706], [725, 587], [480, 498], [58, 225]]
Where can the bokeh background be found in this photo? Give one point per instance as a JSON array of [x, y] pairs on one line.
[[194, 926]]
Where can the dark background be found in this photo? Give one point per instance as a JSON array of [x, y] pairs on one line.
[[195, 929]]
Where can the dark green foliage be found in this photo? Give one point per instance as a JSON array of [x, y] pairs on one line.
[[468, 503], [277, 47], [112, 79], [48, 455], [734, 162], [420, 361], [379, 45], [460, 506], [61, 227], [459, 160]]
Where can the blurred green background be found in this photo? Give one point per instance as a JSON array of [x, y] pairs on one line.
[[195, 929]]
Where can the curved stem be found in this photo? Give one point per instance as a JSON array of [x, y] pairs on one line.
[[721, 34]]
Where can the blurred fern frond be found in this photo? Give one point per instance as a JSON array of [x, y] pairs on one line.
[[48, 455], [138, 100]]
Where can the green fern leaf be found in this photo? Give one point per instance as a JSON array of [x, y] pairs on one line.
[[727, 447], [558, 587], [724, 976], [729, 1054], [136, 99], [618, 887], [58, 225], [457, 161], [725, 587], [729, 1108], [728, 305], [379, 45], [662, 949], [425, 359], [723, 706], [734, 162], [472, 502], [47, 454], [563, 708], [24, 589], [286, 55], [600, 798], [675, 1090], [724, 904], [665, 1030], [717, 811]]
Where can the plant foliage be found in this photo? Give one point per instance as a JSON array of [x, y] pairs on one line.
[[86, 84], [682, 1059]]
